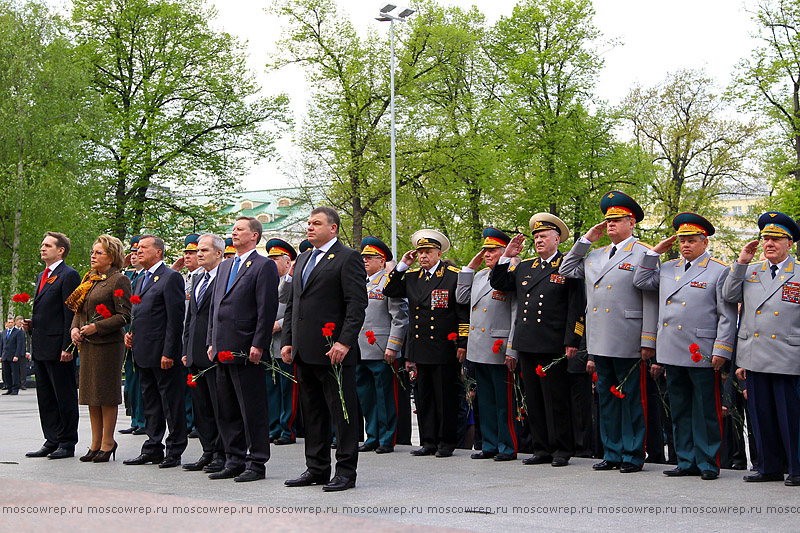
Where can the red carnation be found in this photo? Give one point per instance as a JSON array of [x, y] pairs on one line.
[[540, 371], [594, 377], [327, 332], [225, 356], [103, 311], [452, 336], [330, 325], [15, 298], [497, 345], [23, 297], [371, 337], [190, 381], [135, 299], [118, 293], [696, 357], [694, 348]]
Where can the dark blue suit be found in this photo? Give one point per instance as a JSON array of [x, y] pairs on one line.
[[56, 392], [241, 317], [133, 389], [157, 330], [13, 345]]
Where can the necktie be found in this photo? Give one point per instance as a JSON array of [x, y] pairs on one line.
[[147, 276], [203, 287], [310, 266], [427, 276], [44, 279], [774, 269], [8, 333], [613, 251], [688, 264], [234, 270]]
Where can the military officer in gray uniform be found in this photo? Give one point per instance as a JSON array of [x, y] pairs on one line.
[[768, 350], [549, 325], [282, 393], [691, 314], [621, 323], [376, 384], [490, 328]]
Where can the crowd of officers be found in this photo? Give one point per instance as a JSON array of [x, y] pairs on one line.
[[521, 347]]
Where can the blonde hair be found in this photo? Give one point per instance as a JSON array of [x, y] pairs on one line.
[[113, 247]]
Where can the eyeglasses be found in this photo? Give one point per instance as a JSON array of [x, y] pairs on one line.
[[95, 252]]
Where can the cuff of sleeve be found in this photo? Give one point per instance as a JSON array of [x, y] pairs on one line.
[[467, 270], [503, 260], [401, 267], [738, 270]]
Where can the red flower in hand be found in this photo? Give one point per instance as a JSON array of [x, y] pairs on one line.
[[452, 336], [15, 298], [694, 348], [330, 325], [135, 299], [497, 345], [190, 381], [118, 293], [594, 377], [696, 357], [327, 332], [225, 356], [540, 371], [21, 298], [103, 311]]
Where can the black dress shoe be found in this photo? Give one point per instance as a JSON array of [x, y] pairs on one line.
[[384, 449], [145, 458], [193, 434], [504, 457], [170, 462], [204, 460], [127, 431], [792, 481], [7, 393], [44, 451], [249, 475], [629, 468], [306, 479], [759, 477], [367, 448], [215, 466], [339, 483], [708, 475], [226, 473], [443, 453], [680, 472], [605, 465], [537, 459], [423, 451], [61, 453], [273, 438], [282, 441], [139, 431], [559, 461], [482, 455]]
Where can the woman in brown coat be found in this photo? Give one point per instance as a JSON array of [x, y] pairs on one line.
[[102, 308]]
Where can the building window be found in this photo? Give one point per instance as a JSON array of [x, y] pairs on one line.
[[263, 218], [247, 205], [284, 202], [736, 210]]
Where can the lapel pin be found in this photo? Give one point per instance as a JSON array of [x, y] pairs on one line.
[[155, 279], [248, 264], [51, 279], [330, 256]]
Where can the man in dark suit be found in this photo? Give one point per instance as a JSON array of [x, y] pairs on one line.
[[327, 288], [13, 349], [204, 395], [244, 304], [437, 338], [132, 388], [155, 337], [54, 366]]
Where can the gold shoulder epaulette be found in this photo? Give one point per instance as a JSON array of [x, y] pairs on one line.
[[412, 270], [527, 260], [644, 244], [453, 269], [481, 270], [718, 261], [668, 262]]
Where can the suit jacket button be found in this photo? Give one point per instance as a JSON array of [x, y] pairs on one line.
[[540, 312], [431, 319], [665, 324], [525, 311], [680, 327], [416, 317], [594, 309], [416, 326], [773, 336], [482, 329], [474, 308], [484, 310], [755, 334], [538, 320], [540, 304], [683, 303], [668, 302], [609, 286], [416, 336], [758, 312], [776, 313], [526, 303], [473, 328], [597, 286], [431, 327], [541, 296], [431, 337], [606, 310]]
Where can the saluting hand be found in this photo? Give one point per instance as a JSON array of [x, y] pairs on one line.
[[514, 247], [596, 232], [665, 245], [747, 253], [409, 257], [476, 261]]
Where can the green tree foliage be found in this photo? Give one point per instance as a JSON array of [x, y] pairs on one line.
[[177, 109]]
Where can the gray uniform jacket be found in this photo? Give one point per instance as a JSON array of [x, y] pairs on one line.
[[492, 315], [620, 318], [283, 298], [386, 317], [769, 326], [691, 308]]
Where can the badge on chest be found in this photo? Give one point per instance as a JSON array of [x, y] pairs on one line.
[[499, 295], [558, 278], [626, 266], [439, 298], [791, 292], [375, 294], [698, 284]]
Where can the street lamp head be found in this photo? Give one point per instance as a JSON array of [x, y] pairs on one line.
[[383, 19], [406, 13], [387, 8]]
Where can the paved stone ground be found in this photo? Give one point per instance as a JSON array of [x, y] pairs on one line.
[[395, 492]]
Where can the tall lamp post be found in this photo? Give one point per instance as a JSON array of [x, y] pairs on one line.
[[386, 15]]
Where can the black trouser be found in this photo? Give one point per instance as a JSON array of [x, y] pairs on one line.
[[319, 402], [164, 405], [243, 415], [204, 402], [437, 399], [580, 393], [11, 375], [548, 402], [57, 396]]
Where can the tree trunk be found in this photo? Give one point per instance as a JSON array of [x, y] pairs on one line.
[[796, 106], [17, 231]]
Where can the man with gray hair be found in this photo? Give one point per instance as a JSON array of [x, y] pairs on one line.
[[204, 395]]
